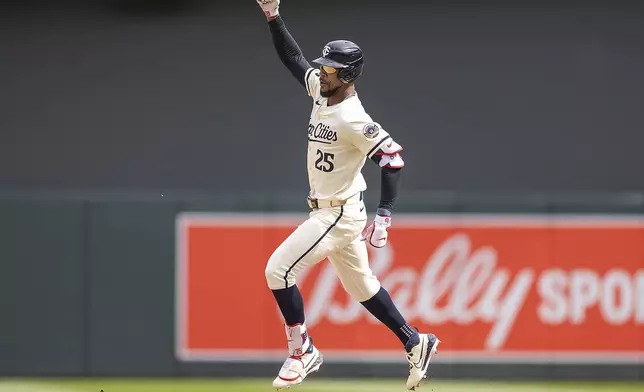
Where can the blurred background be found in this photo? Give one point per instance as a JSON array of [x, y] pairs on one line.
[[124, 122]]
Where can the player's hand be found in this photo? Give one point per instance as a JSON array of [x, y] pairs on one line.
[[376, 233], [270, 7]]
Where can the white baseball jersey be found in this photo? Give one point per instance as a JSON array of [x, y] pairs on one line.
[[340, 139]]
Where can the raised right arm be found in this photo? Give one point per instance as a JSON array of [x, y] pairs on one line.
[[287, 49]]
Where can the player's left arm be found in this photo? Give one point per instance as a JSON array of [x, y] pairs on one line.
[[383, 150]]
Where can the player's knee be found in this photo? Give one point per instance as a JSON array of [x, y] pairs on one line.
[[270, 274], [274, 275], [363, 290]]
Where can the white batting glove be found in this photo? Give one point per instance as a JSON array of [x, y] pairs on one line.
[[376, 233], [270, 7]]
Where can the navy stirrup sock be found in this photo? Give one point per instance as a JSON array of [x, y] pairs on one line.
[[384, 309]]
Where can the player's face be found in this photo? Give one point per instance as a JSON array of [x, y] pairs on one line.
[[329, 82]]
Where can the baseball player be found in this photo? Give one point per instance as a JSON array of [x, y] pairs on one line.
[[341, 136]]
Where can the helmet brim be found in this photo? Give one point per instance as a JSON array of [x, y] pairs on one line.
[[329, 63]]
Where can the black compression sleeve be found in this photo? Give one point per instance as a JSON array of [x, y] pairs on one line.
[[389, 186], [288, 50]]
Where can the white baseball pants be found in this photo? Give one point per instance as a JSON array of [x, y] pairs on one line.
[[333, 233]]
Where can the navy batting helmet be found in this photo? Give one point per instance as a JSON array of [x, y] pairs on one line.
[[345, 56]]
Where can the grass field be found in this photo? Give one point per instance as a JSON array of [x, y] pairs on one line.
[[310, 385]]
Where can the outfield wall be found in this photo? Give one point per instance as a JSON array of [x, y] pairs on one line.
[[96, 284]]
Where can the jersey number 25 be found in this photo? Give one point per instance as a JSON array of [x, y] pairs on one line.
[[324, 161]]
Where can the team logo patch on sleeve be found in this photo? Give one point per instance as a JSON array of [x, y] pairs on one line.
[[370, 130]]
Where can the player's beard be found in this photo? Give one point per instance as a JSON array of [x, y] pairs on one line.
[[330, 92]]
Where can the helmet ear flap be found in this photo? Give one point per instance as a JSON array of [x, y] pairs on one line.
[[348, 75]]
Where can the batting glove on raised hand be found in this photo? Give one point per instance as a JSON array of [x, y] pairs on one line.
[[270, 7], [376, 233]]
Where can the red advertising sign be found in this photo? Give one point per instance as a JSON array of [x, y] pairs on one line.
[[493, 288]]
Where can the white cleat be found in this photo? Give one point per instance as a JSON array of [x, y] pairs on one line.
[[295, 369], [419, 357]]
